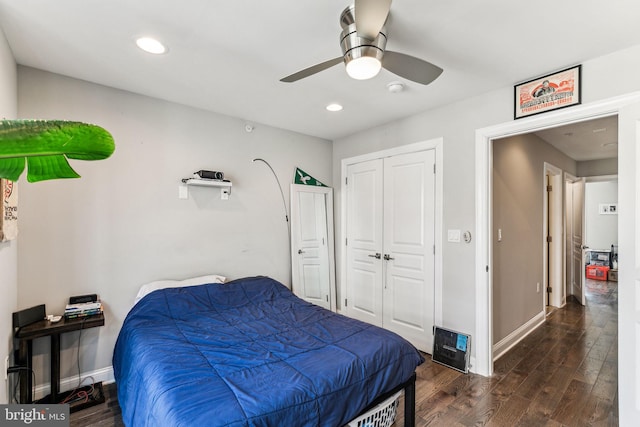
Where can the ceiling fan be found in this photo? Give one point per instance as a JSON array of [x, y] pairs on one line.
[[363, 41]]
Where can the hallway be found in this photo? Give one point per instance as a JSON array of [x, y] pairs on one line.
[[565, 373]]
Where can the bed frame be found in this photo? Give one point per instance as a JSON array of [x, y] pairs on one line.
[[409, 400]]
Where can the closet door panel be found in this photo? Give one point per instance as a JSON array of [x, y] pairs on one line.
[[409, 218], [364, 241], [390, 244]]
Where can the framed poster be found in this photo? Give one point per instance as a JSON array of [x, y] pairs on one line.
[[608, 209], [558, 90]]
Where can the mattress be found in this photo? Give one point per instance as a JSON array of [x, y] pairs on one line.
[[251, 353]]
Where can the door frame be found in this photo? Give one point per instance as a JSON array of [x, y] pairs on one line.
[[483, 363], [553, 253], [436, 144]]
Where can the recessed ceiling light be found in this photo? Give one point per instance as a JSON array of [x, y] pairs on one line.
[[334, 107], [151, 45]]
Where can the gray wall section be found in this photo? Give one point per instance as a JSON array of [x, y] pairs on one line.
[[122, 224], [518, 200], [8, 250], [598, 167]]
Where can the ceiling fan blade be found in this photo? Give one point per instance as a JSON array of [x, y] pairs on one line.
[[370, 16], [312, 70], [411, 68]]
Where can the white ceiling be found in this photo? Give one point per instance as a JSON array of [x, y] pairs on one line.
[[590, 140], [228, 56]]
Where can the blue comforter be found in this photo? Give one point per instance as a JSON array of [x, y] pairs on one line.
[[250, 353]]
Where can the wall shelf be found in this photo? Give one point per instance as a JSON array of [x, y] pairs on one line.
[[207, 182], [225, 186]]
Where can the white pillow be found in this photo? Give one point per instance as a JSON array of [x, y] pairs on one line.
[[162, 284]]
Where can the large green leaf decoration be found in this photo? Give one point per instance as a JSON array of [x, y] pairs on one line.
[[46, 145]]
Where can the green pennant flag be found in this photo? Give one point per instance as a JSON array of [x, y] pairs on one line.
[[301, 177]]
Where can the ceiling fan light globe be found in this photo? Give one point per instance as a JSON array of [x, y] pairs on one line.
[[363, 68]]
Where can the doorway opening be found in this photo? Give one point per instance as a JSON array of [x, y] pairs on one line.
[[628, 108], [528, 199]]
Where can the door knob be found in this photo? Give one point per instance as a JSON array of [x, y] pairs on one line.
[[376, 256], [387, 257], [300, 251]]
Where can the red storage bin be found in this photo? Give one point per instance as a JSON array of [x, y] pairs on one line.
[[597, 272]]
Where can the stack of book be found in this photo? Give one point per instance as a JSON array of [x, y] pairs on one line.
[[75, 311]]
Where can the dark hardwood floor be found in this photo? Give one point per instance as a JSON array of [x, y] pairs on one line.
[[565, 373]]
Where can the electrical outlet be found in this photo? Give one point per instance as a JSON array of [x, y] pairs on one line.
[[6, 368], [538, 287], [183, 192]]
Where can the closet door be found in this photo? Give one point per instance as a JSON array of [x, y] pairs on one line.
[[364, 241], [409, 242]]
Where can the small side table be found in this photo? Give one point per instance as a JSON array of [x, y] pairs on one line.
[[45, 328]]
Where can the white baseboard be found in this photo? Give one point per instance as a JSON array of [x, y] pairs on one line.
[[500, 348], [472, 365], [105, 375]]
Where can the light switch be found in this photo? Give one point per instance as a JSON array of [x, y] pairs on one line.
[[453, 236]]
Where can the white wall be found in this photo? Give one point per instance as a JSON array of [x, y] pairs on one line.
[[457, 124], [122, 224], [8, 250], [601, 229]]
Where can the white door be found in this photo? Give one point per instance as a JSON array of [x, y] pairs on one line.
[[390, 244], [311, 276], [574, 237], [577, 240], [409, 218], [364, 241]]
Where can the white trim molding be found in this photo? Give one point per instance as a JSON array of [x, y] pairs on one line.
[[505, 344], [104, 374]]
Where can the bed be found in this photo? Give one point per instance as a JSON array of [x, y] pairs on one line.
[[251, 353]]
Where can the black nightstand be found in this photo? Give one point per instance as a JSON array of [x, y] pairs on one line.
[[45, 328]]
